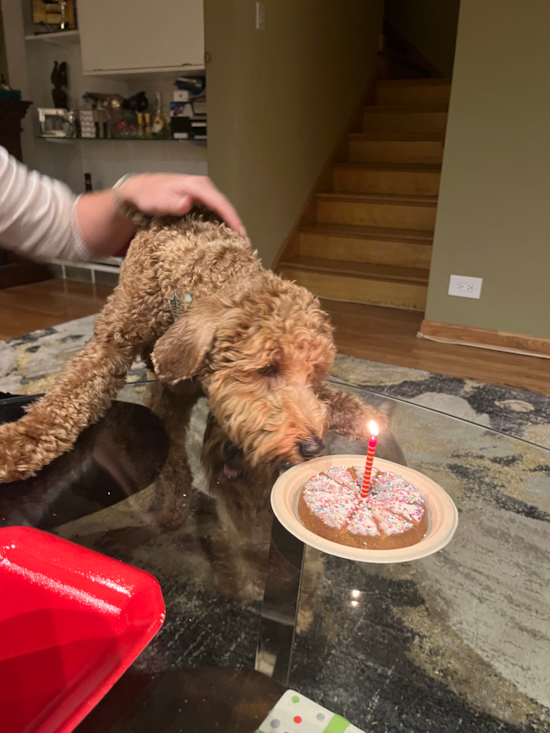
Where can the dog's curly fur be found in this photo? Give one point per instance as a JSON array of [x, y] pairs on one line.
[[260, 347]]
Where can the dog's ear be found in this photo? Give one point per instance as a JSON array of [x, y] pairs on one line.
[[179, 354]]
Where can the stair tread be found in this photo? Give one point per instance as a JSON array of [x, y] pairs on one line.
[[398, 167], [412, 236], [414, 82], [423, 137], [380, 198], [357, 269], [406, 109]]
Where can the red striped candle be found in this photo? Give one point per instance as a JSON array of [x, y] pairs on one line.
[[373, 430]]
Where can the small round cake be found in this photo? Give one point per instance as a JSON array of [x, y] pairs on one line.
[[393, 515]]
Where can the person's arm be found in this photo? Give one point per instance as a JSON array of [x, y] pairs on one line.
[[42, 219], [37, 214]]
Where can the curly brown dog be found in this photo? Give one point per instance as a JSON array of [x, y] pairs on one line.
[[194, 297]]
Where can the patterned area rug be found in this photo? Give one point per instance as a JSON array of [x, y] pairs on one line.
[[29, 364], [454, 643]]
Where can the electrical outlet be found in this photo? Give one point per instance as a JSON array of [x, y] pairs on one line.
[[465, 287], [260, 16]]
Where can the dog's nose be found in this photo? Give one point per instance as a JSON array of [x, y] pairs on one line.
[[311, 447], [231, 452]]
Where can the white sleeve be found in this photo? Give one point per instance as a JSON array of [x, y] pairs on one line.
[[37, 214]]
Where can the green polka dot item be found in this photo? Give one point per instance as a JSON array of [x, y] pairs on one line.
[[295, 713]]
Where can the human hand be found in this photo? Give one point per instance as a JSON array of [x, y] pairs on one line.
[[171, 194]]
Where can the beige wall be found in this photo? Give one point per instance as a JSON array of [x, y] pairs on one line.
[[279, 99], [493, 216], [430, 25]]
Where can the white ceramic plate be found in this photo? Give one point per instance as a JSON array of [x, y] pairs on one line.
[[442, 513]]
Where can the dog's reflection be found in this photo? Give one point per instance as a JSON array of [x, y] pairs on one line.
[[207, 517], [239, 536], [238, 539]]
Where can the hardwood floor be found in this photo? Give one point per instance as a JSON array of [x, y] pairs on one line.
[[41, 305], [388, 335]]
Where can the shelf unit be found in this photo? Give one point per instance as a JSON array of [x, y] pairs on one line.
[[144, 74], [67, 159], [58, 39], [72, 140]]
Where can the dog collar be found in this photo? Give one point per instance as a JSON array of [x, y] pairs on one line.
[[175, 303]]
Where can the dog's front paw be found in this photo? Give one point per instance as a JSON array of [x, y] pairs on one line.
[[348, 415]]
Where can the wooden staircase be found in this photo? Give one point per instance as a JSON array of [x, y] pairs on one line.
[[368, 233]]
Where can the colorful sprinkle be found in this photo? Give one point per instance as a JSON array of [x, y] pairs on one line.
[[393, 505]]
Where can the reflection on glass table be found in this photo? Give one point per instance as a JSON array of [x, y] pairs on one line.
[[455, 642]]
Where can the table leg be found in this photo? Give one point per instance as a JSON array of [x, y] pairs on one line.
[[280, 604]]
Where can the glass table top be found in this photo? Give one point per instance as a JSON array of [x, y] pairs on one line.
[[459, 641]]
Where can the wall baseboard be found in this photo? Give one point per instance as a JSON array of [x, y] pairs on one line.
[[483, 338]]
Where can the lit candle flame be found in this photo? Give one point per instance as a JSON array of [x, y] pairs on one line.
[[373, 428]]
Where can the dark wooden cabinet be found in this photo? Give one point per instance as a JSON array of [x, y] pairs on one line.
[[13, 270], [11, 114]]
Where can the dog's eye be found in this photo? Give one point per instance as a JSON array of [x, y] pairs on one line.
[[271, 370]]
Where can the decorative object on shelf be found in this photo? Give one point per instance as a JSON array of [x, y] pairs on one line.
[[64, 25], [6, 92], [141, 127], [139, 102], [188, 108], [180, 127], [104, 110], [195, 85], [59, 79], [55, 16], [71, 121], [57, 122], [160, 125], [87, 124], [101, 119], [110, 116], [148, 126]]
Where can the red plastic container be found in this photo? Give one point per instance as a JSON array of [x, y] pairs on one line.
[[71, 622]]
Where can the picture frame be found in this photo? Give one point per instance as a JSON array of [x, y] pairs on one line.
[[55, 14], [56, 122]]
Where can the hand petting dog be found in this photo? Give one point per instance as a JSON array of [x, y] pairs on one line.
[[165, 194], [103, 220]]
